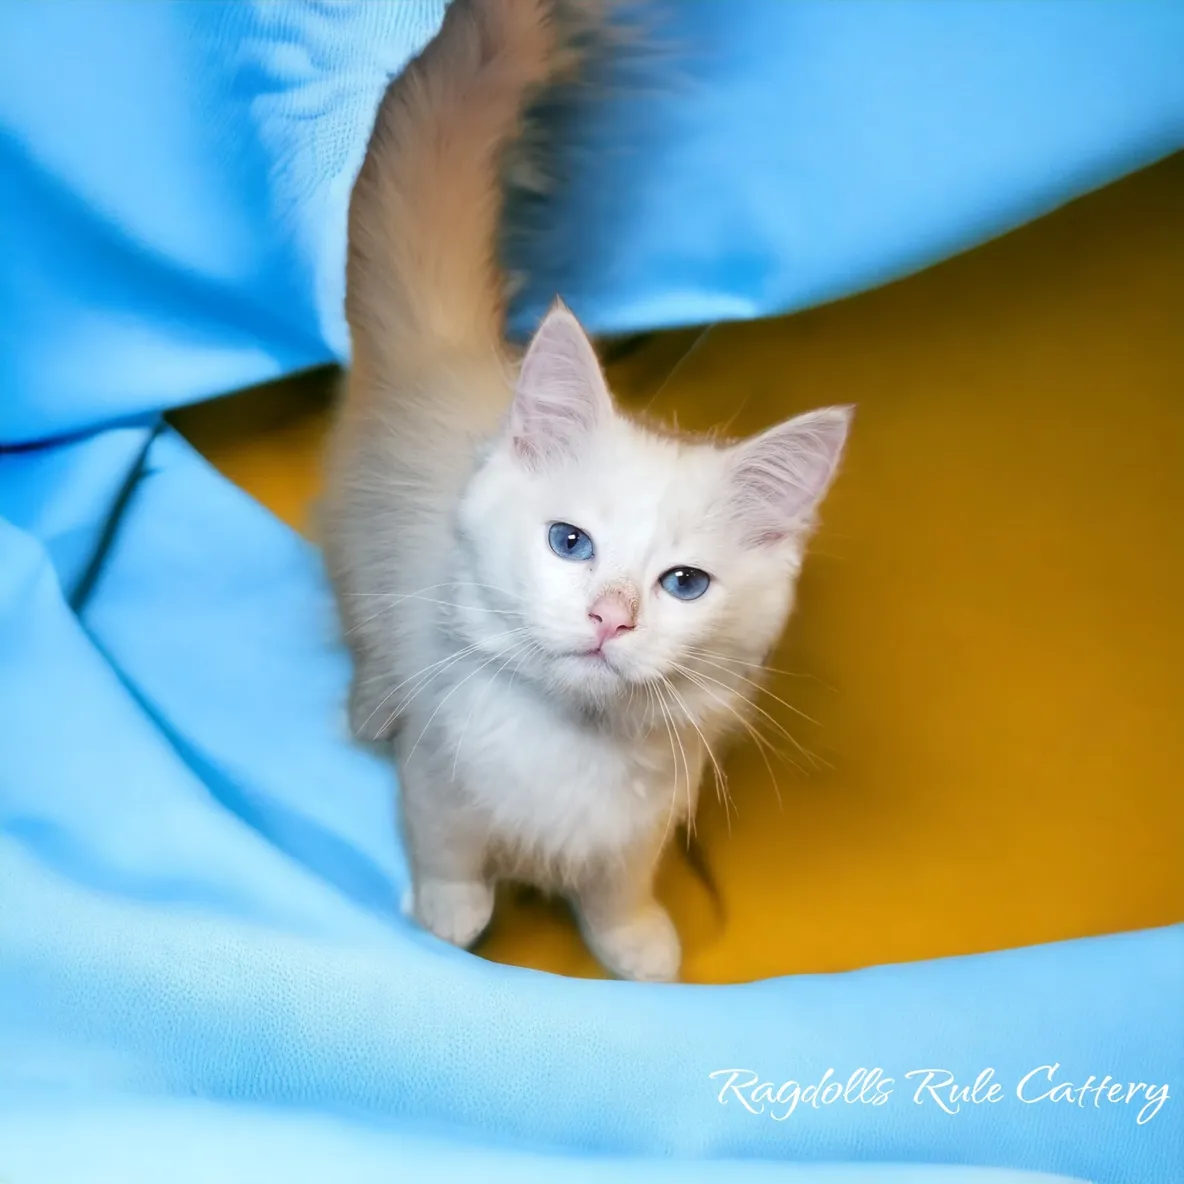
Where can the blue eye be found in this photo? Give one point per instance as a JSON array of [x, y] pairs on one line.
[[569, 542], [685, 583]]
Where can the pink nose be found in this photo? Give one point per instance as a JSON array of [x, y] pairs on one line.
[[612, 615]]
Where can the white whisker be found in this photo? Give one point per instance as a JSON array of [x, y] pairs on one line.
[[690, 352], [471, 674], [761, 742], [776, 723], [455, 660], [749, 665], [760, 687], [435, 587], [721, 782], [653, 689], [455, 656]]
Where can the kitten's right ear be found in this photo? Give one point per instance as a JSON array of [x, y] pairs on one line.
[[561, 395]]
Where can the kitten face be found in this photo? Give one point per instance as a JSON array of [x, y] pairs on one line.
[[648, 507], [599, 556]]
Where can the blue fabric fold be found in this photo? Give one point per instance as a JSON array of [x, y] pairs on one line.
[[198, 1142], [201, 877], [174, 199], [203, 970], [69, 496]]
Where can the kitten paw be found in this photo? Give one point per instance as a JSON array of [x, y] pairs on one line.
[[644, 948], [458, 911]]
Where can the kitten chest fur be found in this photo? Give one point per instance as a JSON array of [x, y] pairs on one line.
[[555, 613], [557, 794]]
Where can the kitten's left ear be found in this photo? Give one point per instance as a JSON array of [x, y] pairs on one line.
[[780, 477], [561, 394]]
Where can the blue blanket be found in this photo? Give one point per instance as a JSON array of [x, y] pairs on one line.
[[174, 176], [203, 974]]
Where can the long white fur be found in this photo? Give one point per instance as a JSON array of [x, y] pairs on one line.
[[520, 754]]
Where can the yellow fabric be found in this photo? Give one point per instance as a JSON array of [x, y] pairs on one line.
[[991, 627]]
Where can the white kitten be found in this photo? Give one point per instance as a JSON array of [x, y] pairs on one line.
[[554, 612]]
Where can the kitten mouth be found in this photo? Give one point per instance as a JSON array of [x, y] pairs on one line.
[[595, 671], [596, 658], [592, 662]]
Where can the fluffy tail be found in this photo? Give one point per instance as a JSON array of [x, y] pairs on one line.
[[424, 280], [426, 298]]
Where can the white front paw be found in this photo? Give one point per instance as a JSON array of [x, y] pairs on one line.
[[456, 910], [644, 947]]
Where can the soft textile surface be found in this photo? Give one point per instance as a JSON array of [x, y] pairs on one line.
[[201, 967], [199, 873], [173, 176], [199, 1143]]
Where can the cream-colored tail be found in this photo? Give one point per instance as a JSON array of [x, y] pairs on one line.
[[424, 281], [425, 299]]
